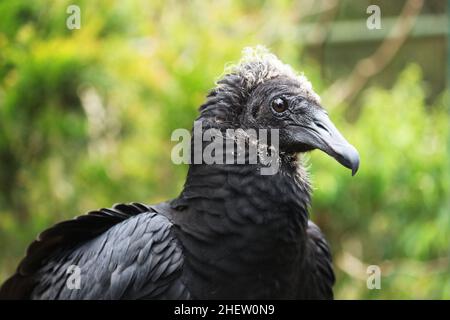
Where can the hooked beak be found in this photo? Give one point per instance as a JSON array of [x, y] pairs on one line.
[[320, 133]]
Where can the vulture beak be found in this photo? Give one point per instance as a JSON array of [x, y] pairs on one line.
[[320, 133]]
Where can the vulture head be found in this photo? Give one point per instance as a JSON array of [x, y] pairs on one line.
[[261, 92]]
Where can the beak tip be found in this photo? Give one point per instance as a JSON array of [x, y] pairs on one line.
[[355, 163], [350, 158]]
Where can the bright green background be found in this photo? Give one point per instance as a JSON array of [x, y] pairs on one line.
[[86, 117]]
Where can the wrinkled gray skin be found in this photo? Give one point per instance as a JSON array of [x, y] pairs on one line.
[[232, 232]]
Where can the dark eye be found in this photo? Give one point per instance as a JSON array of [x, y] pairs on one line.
[[279, 105]]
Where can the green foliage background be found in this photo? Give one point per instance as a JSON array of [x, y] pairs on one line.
[[86, 117]]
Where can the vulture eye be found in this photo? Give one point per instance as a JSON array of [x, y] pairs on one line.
[[279, 105]]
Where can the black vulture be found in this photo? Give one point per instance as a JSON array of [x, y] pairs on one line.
[[233, 232]]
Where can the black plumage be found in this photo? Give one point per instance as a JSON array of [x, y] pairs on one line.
[[232, 232]]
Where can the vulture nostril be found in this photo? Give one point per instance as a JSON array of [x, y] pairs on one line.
[[321, 126]]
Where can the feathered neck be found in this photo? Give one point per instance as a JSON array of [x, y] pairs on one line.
[[283, 194]]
